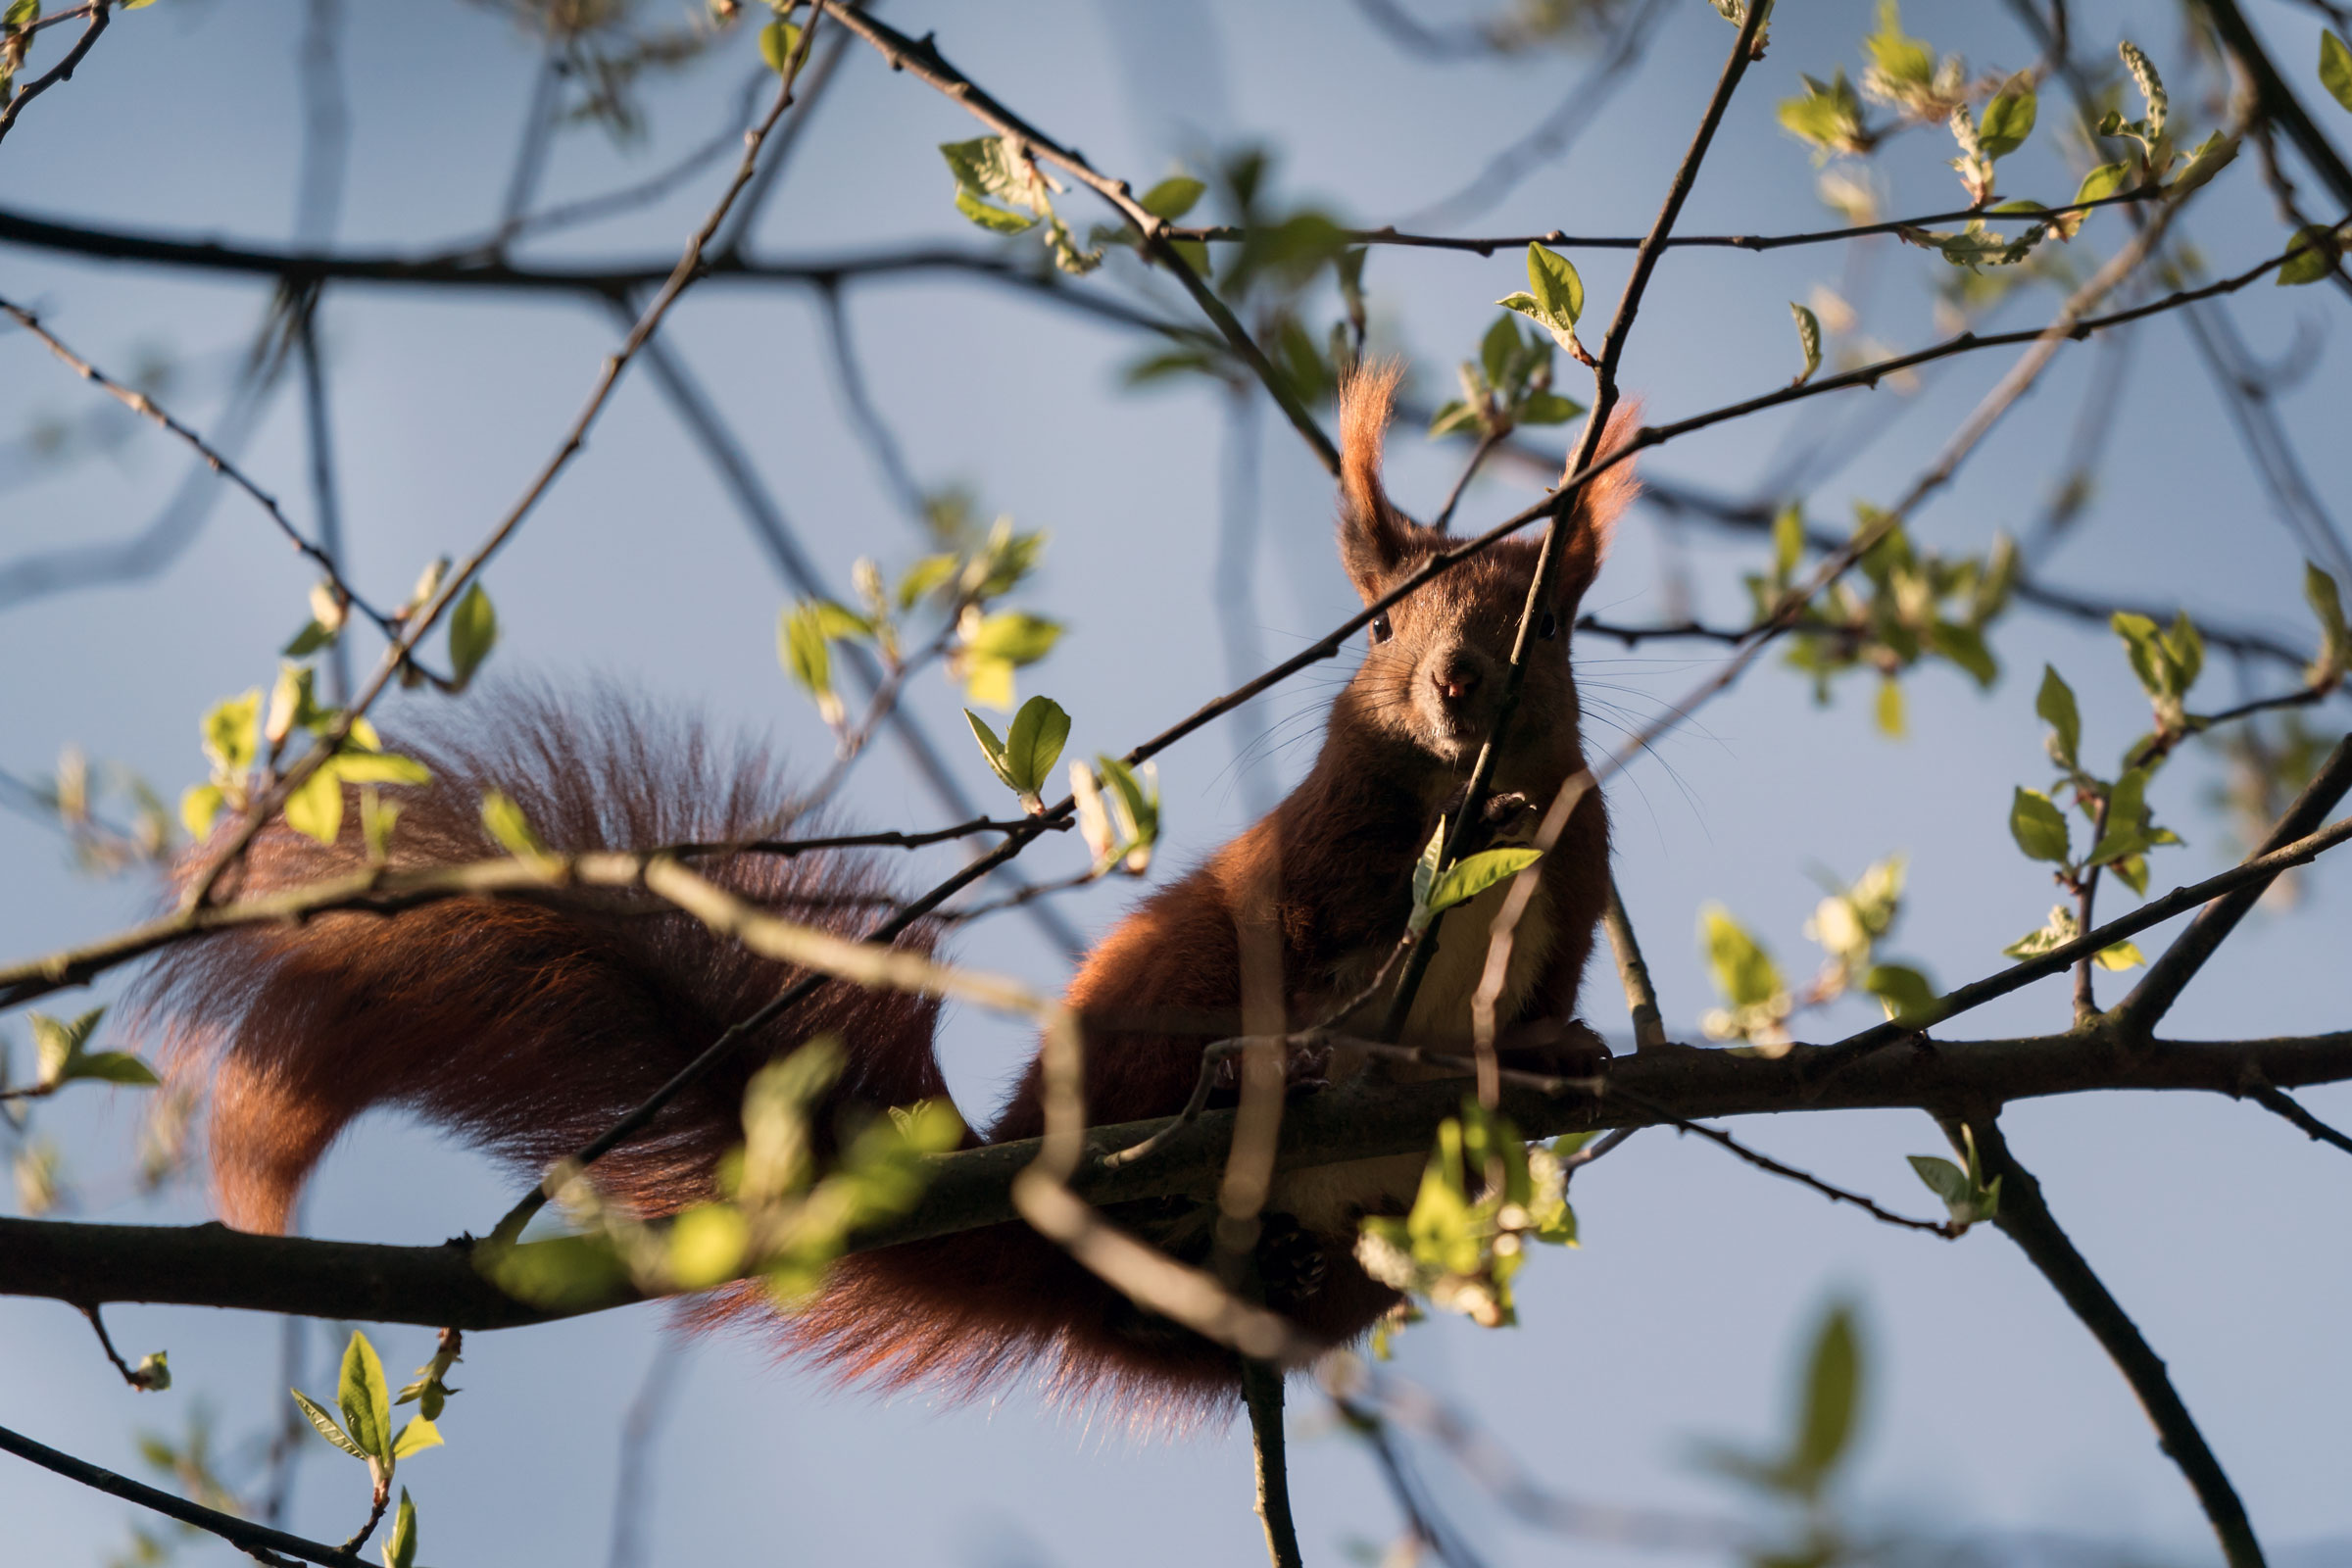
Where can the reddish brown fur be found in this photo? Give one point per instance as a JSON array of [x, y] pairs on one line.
[[528, 1029]]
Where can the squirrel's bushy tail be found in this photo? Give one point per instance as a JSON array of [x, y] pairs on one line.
[[525, 1027]]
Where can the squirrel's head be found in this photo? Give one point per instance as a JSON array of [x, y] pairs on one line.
[[1434, 674]]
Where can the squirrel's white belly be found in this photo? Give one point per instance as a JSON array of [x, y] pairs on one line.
[[1330, 1199]]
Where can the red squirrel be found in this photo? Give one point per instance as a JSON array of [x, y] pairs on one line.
[[526, 1028]]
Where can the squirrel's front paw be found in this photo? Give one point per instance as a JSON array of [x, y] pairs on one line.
[[1306, 1070]]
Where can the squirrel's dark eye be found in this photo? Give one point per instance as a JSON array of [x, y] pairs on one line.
[[1382, 631], [1548, 625]]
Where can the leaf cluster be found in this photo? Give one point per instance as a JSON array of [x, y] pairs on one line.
[[1483, 1196]]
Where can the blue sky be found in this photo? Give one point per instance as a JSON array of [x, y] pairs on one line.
[[1991, 1408]]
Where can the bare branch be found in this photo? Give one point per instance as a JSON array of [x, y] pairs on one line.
[[689, 268], [2283, 1104], [100, 12], [923, 61], [2025, 1219], [1641, 997], [1261, 1392], [2147, 1005], [257, 1542], [211, 1265]]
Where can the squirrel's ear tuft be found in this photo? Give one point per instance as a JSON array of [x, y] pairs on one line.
[[1600, 505], [1373, 534]]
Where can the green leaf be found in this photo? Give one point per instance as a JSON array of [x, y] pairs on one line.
[[2127, 815], [509, 827], [1172, 197], [993, 749], [2335, 68], [115, 1067], [1833, 1395], [380, 768], [473, 633], [1965, 645], [1542, 408], [1744, 971], [1015, 636], [1888, 711], [708, 1243], [1808, 340], [924, 577], [1455, 415], [805, 655], [2055, 705], [19, 12], [197, 808], [1907, 994], [415, 1437], [996, 220], [2060, 929], [1425, 874], [154, 1371], [326, 1426], [2310, 256], [56, 1045], [308, 640], [1944, 1179], [315, 809], [1827, 114], [232, 733], [2009, 119], [1559, 292], [1473, 874], [2122, 956], [2335, 639], [776, 42], [2212, 154], [1788, 541], [2039, 827], [1499, 349], [1033, 744], [2103, 181], [400, 1547], [365, 1397]]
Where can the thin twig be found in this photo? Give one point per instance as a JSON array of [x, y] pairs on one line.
[[2025, 1218], [133, 1376], [2279, 1102], [1558, 239], [1641, 995], [1946, 1229], [145, 407], [1261, 1392], [99, 12], [2257, 873], [1487, 441], [424, 617], [259, 1541], [923, 60]]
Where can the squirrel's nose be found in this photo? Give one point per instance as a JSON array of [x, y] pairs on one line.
[[1456, 680]]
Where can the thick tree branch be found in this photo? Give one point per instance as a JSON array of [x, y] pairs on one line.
[[2025, 1219], [211, 1265]]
